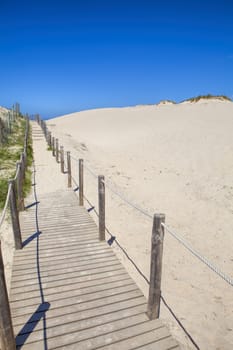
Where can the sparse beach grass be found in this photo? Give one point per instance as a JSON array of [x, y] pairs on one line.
[[10, 153], [209, 97]]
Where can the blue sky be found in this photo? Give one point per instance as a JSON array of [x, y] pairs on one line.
[[57, 57]]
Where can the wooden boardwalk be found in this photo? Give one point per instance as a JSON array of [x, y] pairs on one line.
[[69, 291]]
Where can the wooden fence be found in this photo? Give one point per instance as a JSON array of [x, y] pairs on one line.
[[15, 200], [7, 119]]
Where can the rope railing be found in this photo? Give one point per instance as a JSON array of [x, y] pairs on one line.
[[3, 214], [198, 255]]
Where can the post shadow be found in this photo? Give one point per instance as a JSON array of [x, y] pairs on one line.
[[31, 324], [31, 238]]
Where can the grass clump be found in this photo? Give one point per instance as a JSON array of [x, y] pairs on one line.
[[10, 153], [209, 97]]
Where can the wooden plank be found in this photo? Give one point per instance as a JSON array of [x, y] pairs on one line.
[[98, 313], [78, 299], [164, 344], [97, 289], [56, 284], [72, 286], [56, 266], [85, 325], [101, 335], [77, 308]]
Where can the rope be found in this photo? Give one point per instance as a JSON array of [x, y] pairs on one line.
[[133, 205], [90, 171], [199, 256], [177, 237], [6, 204], [17, 172]]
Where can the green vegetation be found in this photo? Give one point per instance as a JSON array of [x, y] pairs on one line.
[[209, 97], [10, 153]]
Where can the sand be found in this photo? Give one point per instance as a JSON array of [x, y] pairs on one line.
[[175, 159]]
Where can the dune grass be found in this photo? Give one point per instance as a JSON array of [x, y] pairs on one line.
[[209, 97], [10, 153]]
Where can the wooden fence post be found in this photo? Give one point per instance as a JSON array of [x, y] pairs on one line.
[[15, 216], [101, 191], [20, 187], [153, 307], [49, 139], [80, 181], [53, 146], [69, 169], [23, 165], [57, 151], [7, 339], [62, 159]]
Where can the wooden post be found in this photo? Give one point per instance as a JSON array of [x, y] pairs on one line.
[[80, 181], [49, 139], [153, 307], [23, 165], [15, 216], [62, 159], [101, 191], [7, 339], [53, 146], [69, 169], [20, 187], [57, 151]]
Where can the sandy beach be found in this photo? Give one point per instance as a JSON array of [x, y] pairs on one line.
[[175, 159]]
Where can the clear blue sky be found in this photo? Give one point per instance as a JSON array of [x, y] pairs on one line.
[[58, 57]]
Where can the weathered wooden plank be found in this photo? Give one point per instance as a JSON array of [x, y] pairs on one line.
[[163, 344], [72, 293], [80, 260], [64, 264], [65, 277], [78, 299], [77, 308], [123, 278], [84, 325], [101, 335], [55, 255], [55, 284], [93, 313]]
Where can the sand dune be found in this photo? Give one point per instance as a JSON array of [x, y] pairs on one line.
[[175, 159]]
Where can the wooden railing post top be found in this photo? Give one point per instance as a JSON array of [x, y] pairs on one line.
[[101, 182], [158, 229], [159, 218]]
